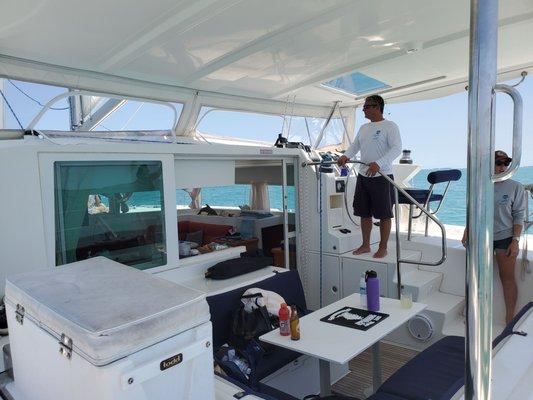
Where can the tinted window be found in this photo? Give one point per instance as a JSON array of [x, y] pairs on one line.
[[110, 209]]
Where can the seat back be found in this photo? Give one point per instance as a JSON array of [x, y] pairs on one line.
[[440, 367], [445, 175], [437, 373], [509, 328], [222, 306], [210, 231]]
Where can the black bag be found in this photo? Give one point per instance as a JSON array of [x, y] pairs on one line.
[[237, 266], [248, 326], [330, 397]]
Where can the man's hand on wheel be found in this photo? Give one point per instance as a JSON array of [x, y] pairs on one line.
[[373, 169], [342, 161]]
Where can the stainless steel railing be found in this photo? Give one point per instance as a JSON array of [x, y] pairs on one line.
[[480, 197], [398, 188], [528, 223], [517, 132]]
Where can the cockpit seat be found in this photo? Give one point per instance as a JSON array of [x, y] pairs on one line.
[[437, 373], [209, 231], [426, 196], [264, 392], [385, 396], [222, 307]]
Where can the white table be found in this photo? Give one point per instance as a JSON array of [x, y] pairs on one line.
[[334, 343]]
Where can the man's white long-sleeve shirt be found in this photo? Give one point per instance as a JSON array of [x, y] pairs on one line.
[[378, 142]]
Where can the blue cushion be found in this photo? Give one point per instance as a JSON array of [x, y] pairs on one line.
[[419, 195], [277, 394], [385, 396], [273, 361], [510, 326], [440, 367], [437, 373], [249, 391], [444, 176], [222, 306]]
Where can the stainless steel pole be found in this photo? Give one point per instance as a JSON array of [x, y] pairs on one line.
[[1, 105], [323, 130], [398, 247], [480, 196]]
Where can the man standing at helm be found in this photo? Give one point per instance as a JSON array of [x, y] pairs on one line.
[[379, 143]]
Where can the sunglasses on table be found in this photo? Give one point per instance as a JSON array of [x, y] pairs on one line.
[[500, 163], [366, 106]]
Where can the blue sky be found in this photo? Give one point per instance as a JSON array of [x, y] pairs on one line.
[[434, 130]]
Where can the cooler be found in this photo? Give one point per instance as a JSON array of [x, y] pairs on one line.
[[97, 329]]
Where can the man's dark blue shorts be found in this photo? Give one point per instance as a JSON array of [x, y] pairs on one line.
[[374, 197]]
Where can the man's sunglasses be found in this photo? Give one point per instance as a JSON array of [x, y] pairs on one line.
[[369, 106], [500, 163]]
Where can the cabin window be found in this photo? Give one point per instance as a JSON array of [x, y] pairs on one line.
[[239, 124], [307, 131], [257, 211], [28, 99], [137, 116], [236, 196], [113, 209]]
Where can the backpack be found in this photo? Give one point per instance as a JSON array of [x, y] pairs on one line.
[[247, 325]]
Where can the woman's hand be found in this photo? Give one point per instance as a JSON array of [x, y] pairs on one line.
[[513, 249], [464, 240]]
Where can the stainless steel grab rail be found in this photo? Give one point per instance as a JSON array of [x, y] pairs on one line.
[[517, 132], [528, 223], [430, 216], [399, 260]]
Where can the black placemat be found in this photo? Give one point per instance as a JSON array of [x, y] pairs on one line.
[[353, 318]]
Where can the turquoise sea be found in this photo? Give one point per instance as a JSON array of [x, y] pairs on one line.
[[452, 212]]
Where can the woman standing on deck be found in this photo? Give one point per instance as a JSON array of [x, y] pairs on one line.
[[509, 215]]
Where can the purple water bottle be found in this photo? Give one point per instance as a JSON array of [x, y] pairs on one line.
[[372, 290]]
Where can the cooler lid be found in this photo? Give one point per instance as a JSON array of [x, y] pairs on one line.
[[108, 310]]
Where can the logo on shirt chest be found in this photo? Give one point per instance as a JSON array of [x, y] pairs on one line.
[[504, 200]]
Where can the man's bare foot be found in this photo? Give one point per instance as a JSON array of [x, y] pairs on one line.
[[382, 252], [362, 250]]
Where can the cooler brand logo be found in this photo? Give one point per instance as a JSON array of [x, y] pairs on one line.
[[171, 362], [266, 151]]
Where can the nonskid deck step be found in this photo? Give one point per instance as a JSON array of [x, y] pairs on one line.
[[457, 327], [449, 305], [421, 284]]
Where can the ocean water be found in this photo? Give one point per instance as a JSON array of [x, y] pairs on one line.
[[452, 212], [237, 195]]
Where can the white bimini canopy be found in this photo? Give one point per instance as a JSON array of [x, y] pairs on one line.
[[255, 54]]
